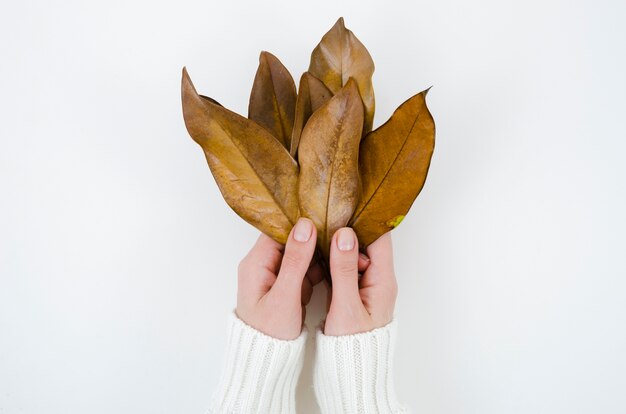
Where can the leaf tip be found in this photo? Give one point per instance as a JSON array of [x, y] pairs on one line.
[[185, 78], [351, 83], [263, 55], [186, 83], [351, 87], [268, 57]]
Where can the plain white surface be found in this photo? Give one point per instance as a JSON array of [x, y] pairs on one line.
[[118, 254]]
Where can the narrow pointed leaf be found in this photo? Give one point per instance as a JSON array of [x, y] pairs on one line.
[[273, 98], [312, 94], [328, 156], [254, 172], [393, 162], [340, 56]]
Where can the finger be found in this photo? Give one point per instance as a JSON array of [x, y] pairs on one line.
[[329, 295], [380, 270], [344, 258], [380, 251], [266, 253], [364, 262], [297, 257]]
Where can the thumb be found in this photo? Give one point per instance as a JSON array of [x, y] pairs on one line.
[[296, 259], [344, 259]]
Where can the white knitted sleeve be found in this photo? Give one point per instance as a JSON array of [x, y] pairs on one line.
[[260, 373], [352, 373]]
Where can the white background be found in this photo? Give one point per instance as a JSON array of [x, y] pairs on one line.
[[118, 253]]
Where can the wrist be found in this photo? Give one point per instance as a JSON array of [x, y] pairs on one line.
[[284, 327]]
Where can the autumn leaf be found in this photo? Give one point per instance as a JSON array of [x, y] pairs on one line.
[[328, 157], [254, 172], [393, 162], [312, 93], [313, 153], [273, 98], [340, 56]]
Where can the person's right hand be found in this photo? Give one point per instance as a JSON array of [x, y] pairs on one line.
[[276, 282], [360, 303]]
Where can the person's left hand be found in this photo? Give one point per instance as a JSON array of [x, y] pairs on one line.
[[276, 282]]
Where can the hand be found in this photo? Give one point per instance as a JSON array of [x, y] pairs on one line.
[[275, 282], [360, 303]]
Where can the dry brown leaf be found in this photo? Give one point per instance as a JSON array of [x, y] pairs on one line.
[[312, 94], [347, 173], [393, 162], [255, 173], [273, 98], [328, 156], [340, 56]]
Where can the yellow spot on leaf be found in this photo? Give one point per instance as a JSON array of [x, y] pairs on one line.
[[395, 222]]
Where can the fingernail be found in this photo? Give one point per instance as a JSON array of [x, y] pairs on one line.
[[303, 229], [364, 257], [345, 239]]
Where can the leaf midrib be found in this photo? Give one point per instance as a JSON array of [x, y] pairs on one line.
[[256, 173], [283, 137], [406, 139], [339, 128]]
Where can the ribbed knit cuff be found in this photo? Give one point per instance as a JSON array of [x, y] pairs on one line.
[[260, 374], [353, 373]]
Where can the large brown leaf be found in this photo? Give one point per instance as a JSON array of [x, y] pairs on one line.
[[312, 94], [393, 163], [273, 98], [254, 172], [340, 56], [328, 156]]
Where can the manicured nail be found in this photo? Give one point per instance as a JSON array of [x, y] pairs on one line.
[[345, 239], [302, 231]]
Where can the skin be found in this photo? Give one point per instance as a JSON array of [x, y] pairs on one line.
[[275, 283]]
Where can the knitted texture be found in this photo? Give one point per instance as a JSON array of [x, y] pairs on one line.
[[352, 373], [260, 373]]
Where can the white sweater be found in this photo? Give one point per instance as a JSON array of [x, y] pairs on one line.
[[352, 373]]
